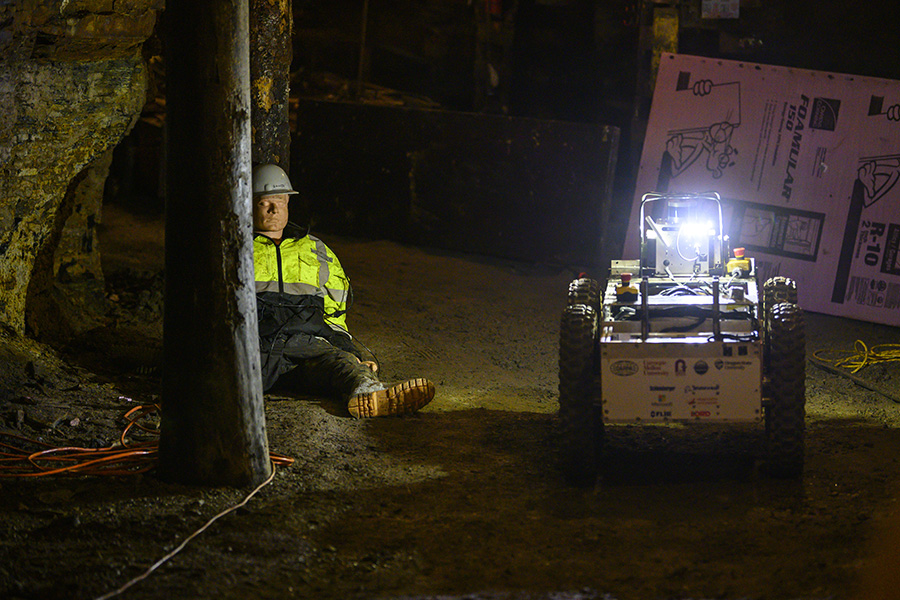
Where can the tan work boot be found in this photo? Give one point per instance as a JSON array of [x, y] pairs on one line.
[[400, 399]]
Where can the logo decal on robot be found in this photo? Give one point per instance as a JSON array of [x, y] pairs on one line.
[[624, 368]]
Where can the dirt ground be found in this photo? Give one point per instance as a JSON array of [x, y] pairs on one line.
[[463, 500]]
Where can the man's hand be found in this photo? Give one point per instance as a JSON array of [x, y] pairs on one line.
[[371, 364]]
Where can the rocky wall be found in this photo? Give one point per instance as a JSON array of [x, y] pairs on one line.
[[72, 83]]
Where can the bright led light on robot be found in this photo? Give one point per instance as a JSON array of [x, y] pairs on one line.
[[696, 232]]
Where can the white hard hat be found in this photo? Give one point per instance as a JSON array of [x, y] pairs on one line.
[[271, 179]]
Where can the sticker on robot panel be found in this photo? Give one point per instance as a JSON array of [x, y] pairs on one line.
[[624, 368], [732, 365], [662, 388], [660, 414], [662, 397], [656, 367], [701, 367], [680, 367], [690, 390], [694, 402], [701, 414]]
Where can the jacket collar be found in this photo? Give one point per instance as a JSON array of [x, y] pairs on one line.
[[291, 231]]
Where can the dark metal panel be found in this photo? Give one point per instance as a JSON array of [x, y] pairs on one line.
[[509, 187]]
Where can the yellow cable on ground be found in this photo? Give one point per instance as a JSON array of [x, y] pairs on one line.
[[861, 355]]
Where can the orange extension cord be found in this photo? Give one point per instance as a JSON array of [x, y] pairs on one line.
[[124, 458]]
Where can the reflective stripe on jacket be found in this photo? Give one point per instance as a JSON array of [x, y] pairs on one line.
[[302, 269]]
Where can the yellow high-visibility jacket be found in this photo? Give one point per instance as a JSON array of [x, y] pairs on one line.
[[300, 288]]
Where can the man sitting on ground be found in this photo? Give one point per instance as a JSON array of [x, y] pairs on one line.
[[302, 298]]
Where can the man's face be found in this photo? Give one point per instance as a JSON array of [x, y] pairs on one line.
[[270, 213]]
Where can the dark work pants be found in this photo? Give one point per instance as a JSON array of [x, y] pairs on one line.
[[311, 365]]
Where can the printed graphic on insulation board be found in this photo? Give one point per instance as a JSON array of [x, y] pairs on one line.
[[807, 163]]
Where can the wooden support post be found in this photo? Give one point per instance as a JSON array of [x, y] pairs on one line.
[[361, 66], [213, 424], [270, 66]]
